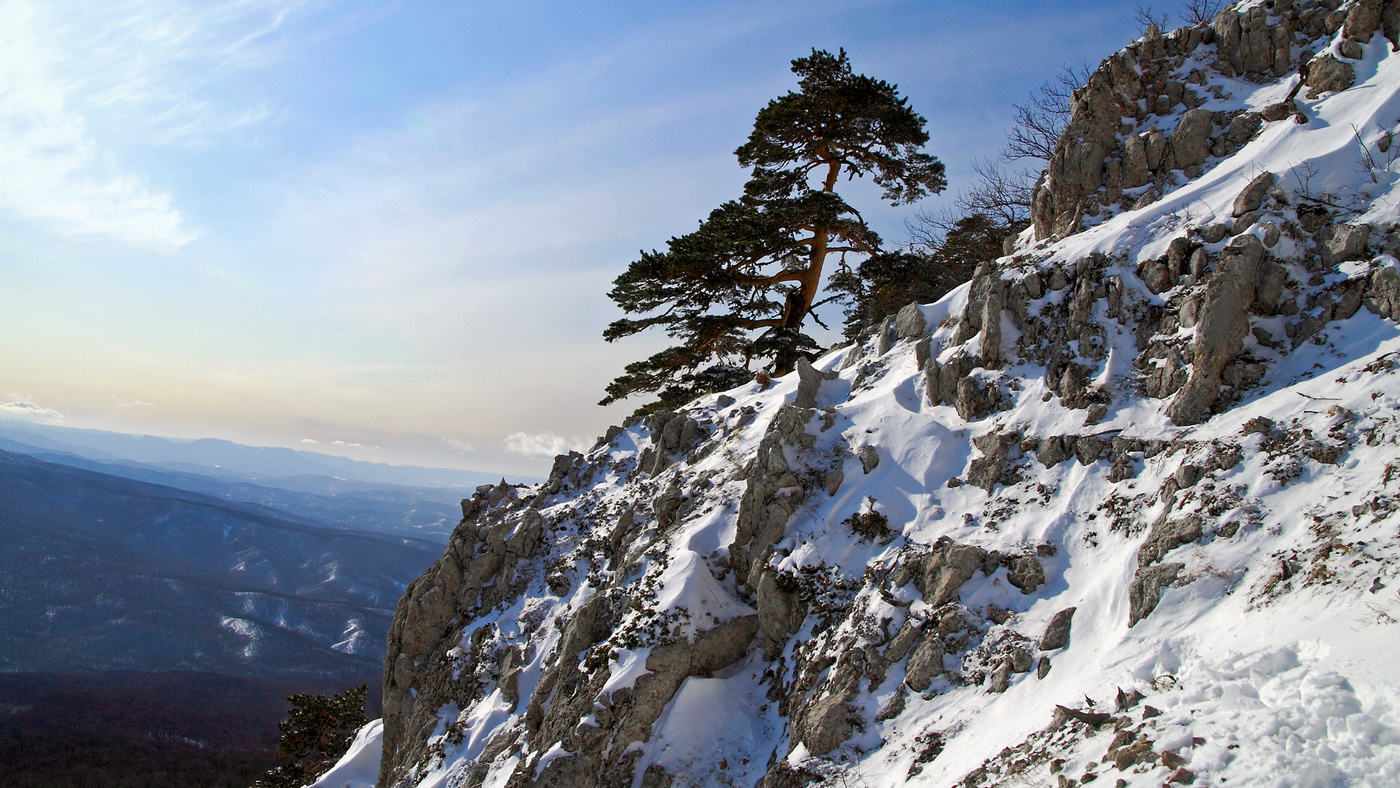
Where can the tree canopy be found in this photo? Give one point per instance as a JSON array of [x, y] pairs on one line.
[[737, 292], [317, 732]]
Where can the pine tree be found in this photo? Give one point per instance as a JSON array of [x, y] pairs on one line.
[[317, 732], [738, 291]]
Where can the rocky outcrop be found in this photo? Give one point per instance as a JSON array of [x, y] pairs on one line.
[[1221, 327], [800, 553]]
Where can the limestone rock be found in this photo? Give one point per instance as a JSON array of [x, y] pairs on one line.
[[925, 662], [809, 382], [1057, 631], [1327, 74], [1346, 242], [909, 323], [1146, 589], [869, 458], [1166, 536], [1363, 20], [1222, 327], [1383, 292], [1252, 197], [1190, 141], [1026, 573]]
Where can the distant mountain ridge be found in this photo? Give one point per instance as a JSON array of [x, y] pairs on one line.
[[213, 456], [99, 572]]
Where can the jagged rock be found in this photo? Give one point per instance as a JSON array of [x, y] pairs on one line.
[[923, 351], [1252, 197], [1057, 631], [985, 301], [1043, 669], [1382, 295], [1269, 290], [1363, 20], [1327, 74], [884, 337], [909, 323], [1089, 449], [821, 723], [1390, 24], [1190, 141], [950, 374], [925, 662], [899, 645], [671, 433], [1146, 589], [974, 399], [1345, 242], [1187, 476], [939, 573], [1001, 678], [1026, 573], [763, 512], [869, 458], [655, 777], [990, 467], [1020, 660], [809, 382], [853, 357], [784, 775], [1055, 450], [932, 372], [1167, 536], [1222, 327], [1245, 43]]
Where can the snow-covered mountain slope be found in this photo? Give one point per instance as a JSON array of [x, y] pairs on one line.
[[1122, 508]]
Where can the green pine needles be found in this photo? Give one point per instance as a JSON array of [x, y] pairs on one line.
[[317, 732], [737, 292]]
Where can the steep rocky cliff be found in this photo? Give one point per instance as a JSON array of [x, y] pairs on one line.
[[1120, 508]]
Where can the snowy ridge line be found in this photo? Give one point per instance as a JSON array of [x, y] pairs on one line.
[[1121, 508]]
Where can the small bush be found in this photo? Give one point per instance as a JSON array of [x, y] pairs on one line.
[[869, 523]]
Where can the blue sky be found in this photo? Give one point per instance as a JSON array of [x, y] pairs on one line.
[[387, 229]]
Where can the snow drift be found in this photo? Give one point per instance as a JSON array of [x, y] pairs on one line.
[[1121, 508]]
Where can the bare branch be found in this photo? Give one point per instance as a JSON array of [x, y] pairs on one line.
[[1200, 12], [1043, 117], [1145, 16]]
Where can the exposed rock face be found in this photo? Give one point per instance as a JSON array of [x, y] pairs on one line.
[[1221, 328], [1057, 632], [807, 557]]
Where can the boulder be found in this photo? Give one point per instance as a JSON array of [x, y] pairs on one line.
[[1252, 196], [1026, 573], [1190, 141], [925, 662], [1057, 631], [869, 458], [809, 382], [975, 399], [1167, 536], [1382, 296], [909, 322], [1345, 242], [1327, 74], [939, 573], [1363, 20], [1146, 589]]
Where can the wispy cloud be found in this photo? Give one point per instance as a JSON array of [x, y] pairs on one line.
[[82, 84], [24, 410], [465, 447], [541, 444]]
